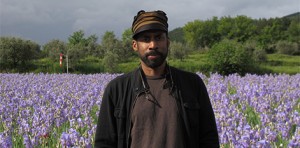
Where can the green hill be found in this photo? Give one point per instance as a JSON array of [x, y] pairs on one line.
[[294, 16]]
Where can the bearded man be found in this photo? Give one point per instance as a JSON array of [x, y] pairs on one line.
[[156, 105]]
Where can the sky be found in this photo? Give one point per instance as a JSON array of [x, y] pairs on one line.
[[44, 20]]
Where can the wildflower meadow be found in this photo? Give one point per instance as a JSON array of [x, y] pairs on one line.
[[61, 110]]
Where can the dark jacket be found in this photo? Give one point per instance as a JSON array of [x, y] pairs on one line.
[[113, 129]]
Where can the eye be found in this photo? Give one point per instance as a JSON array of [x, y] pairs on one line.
[[158, 38], [145, 39]]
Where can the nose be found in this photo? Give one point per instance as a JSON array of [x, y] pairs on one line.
[[152, 44]]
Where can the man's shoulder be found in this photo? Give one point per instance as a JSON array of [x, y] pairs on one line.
[[184, 73], [124, 78]]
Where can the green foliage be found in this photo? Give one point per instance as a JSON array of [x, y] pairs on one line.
[[78, 39], [243, 28], [46, 65], [178, 50], [229, 57], [293, 31], [200, 34], [109, 41], [126, 49], [177, 35], [90, 65], [75, 53], [273, 31], [53, 49], [231, 89], [194, 62], [252, 116], [79, 47], [259, 55], [261, 38], [225, 27], [240, 28], [110, 62], [127, 35], [280, 63], [16, 54], [126, 67], [289, 48]]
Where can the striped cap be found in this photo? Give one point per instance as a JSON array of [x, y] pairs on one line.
[[154, 20]]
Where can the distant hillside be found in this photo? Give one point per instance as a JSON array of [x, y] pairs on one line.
[[294, 16]]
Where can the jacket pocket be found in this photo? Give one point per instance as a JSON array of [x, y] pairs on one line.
[[193, 113], [191, 106], [118, 113]]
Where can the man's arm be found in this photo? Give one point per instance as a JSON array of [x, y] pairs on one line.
[[209, 133], [106, 132]]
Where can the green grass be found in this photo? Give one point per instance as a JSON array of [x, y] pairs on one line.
[[276, 63], [279, 63], [196, 61], [287, 60], [128, 66]]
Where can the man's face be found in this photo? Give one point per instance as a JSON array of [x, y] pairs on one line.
[[152, 47]]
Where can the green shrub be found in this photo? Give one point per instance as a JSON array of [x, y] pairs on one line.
[[259, 55], [110, 62], [285, 47], [178, 50], [227, 57]]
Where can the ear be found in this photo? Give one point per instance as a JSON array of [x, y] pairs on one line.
[[134, 45]]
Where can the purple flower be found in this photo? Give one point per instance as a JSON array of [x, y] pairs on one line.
[[27, 141], [263, 144], [5, 141]]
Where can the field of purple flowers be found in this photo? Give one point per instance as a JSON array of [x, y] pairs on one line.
[[60, 110]]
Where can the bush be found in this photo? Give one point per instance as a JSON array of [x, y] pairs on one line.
[[259, 55], [110, 62], [227, 57], [289, 48], [178, 50]]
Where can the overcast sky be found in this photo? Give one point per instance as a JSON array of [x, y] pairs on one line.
[[44, 20]]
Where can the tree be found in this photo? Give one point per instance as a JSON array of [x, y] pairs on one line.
[[243, 28], [229, 57], [286, 47], [293, 32], [177, 35], [16, 53], [53, 48], [178, 50], [77, 38], [79, 47], [91, 44], [110, 62], [110, 42], [225, 27], [126, 50], [273, 32], [112, 50], [201, 33], [240, 28]]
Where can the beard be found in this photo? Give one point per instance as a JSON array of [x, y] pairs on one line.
[[155, 62]]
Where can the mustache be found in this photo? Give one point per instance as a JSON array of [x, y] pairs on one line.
[[153, 53]]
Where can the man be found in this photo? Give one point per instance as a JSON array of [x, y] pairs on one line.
[[156, 105]]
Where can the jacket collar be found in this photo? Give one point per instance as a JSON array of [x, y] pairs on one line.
[[140, 82]]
